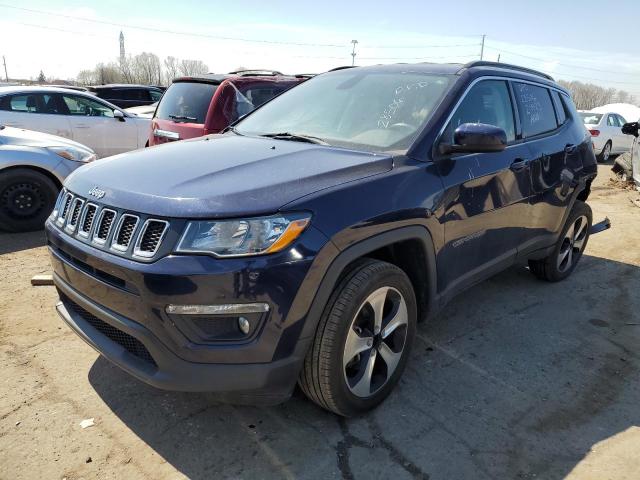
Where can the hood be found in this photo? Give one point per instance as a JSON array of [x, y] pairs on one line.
[[222, 175], [31, 138]]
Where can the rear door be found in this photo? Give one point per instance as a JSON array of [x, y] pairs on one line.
[[36, 111], [94, 125], [615, 134], [625, 140], [486, 195], [557, 140]]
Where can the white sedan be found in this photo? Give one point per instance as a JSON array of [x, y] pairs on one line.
[[79, 116], [606, 134]]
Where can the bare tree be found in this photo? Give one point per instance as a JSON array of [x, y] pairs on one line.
[[87, 77], [193, 67], [587, 96], [146, 69], [171, 69]]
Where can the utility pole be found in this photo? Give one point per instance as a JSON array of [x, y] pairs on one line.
[[353, 52], [498, 58], [482, 48], [6, 76]]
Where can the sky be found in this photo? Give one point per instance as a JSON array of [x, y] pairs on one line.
[[570, 40]]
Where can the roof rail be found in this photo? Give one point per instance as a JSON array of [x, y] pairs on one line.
[[256, 72], [507, 66], [341, 68]]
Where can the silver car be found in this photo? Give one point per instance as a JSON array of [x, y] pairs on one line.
[[33, 166]]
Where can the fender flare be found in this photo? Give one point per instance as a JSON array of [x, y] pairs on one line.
[[361, 249]]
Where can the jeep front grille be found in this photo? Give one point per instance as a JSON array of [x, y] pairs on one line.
[[129, 234]]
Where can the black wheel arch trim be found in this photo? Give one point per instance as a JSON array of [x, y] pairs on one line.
[[360, 249]]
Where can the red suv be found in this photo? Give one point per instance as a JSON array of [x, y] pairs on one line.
[[196, 106]]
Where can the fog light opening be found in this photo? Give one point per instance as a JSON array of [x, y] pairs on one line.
[[244, 325]]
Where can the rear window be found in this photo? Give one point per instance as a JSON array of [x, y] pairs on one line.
[[186, 102], [537, 115], [590, 118]]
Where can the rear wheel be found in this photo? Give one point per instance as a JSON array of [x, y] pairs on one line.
[[27, 198], [568, 250], [363, 340], [605, 155]]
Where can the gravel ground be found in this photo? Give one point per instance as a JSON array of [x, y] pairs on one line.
[[515, 379]]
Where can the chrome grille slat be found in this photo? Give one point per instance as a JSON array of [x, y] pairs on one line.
[[73, 214], [86, 221], [124, 232], [150, 238], [103, 226], [65, 209]]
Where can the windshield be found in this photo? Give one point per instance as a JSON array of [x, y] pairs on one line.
[[372, 111], [186, 102], [591, 118]]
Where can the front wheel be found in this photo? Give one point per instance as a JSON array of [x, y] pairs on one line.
[[27, 198], [363, 340], [569, 248]]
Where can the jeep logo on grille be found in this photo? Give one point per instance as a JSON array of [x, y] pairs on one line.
[[96, 192]]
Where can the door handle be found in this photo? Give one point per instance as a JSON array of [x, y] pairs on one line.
[[518, 165], [570, 148]]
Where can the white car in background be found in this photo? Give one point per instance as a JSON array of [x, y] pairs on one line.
[[606, 134], [145, 111], [75, 115]]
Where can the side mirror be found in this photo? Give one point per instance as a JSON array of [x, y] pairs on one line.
[[119, 115], [631, 129], [476, 138]]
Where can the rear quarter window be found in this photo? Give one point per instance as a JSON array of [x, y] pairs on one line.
[[561, 113], [186, 102], [537, 115]]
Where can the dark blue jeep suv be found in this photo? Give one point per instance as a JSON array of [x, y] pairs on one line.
[[305, 243]]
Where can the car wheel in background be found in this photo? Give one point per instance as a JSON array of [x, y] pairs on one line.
[[27, 198], [363, 339], [568, 249], [606, 152]]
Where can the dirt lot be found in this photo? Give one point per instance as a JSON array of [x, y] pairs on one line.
[[515, 379]]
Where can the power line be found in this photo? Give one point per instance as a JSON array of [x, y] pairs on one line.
[[559, 63], [64, 30], [424, 46], [172, 32]]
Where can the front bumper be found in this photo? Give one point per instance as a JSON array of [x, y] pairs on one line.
[[118, 307]]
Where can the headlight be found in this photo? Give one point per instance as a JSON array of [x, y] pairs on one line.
[[241, 237], [75, 154]]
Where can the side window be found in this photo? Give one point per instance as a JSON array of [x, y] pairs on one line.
[[155, 95], [561, 114], [537, 115], [487, 102], [31, 103], [82, 106], [621, 120], [612, 121]]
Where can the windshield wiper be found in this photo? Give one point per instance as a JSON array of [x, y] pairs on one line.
[[295, 137], [183, 117]]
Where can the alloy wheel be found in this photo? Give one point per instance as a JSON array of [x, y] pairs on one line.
[[573, 243], [375, 341], [606, 153]]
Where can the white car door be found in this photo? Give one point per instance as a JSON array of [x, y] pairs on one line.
[[611, 132], [36, 111], [625, 140], [94, 124]]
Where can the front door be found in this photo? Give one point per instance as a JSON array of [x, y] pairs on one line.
[[486, 196], [94, 125]]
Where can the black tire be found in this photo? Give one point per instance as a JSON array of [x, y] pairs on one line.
[[603, 157], [27, 197], [324, 377], [551, 268]]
